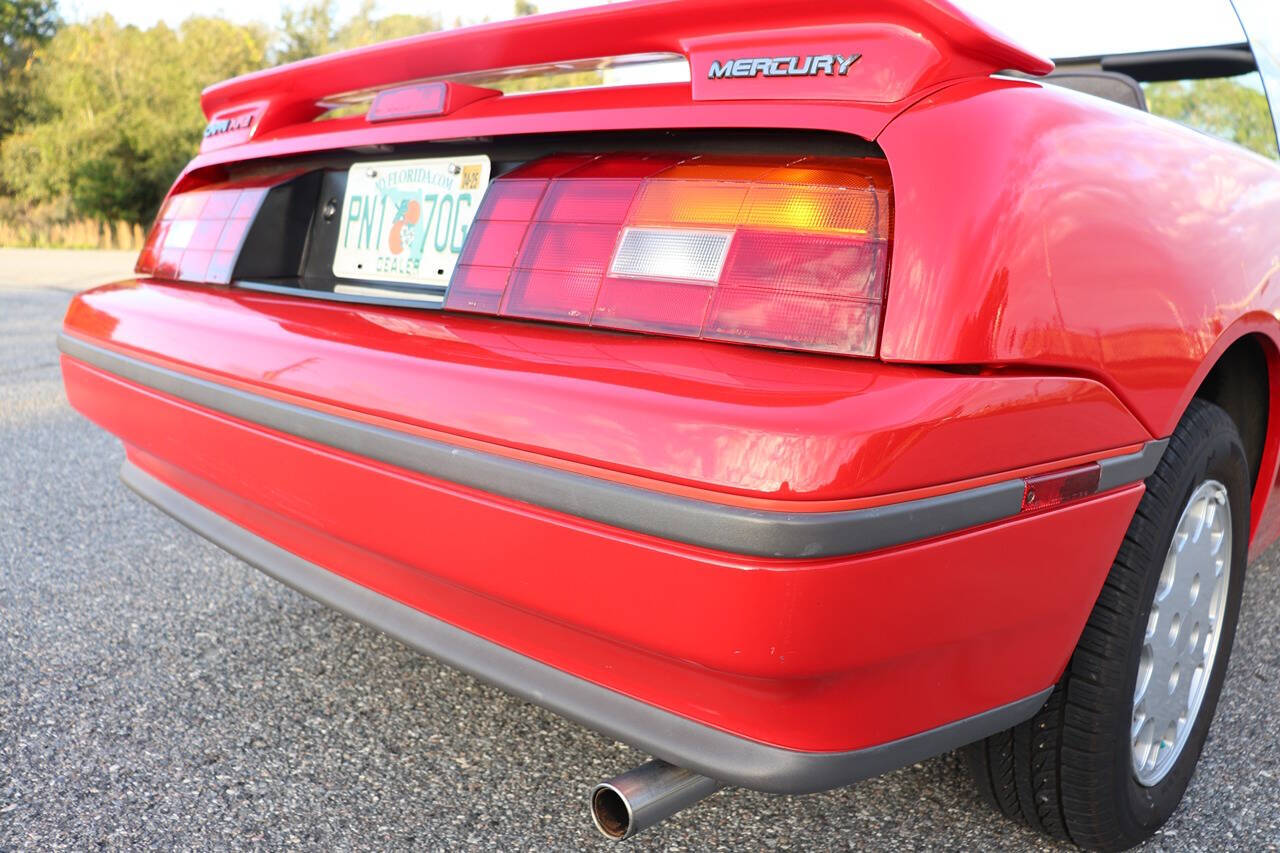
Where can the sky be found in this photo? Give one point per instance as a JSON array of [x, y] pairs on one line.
[[1055, 28]]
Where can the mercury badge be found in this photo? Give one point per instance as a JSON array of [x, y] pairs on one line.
[[830, 64]]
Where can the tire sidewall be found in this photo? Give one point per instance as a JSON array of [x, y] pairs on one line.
[[1215, 455]]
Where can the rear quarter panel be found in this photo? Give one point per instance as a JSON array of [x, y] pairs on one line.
[[1040, 227]]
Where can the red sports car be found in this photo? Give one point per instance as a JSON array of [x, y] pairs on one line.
[[856, 394]]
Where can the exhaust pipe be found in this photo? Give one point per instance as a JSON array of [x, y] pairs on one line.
[[647, 795]]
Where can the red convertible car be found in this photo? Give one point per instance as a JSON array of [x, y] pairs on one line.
[[856, 394]]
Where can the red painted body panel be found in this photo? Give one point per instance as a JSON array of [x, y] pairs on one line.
[[1021, 254], [813, 655], [1074, 234], [749, 422]]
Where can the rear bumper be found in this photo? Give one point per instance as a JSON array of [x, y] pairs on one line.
[[777, 674], [676, 739], [777, 644]]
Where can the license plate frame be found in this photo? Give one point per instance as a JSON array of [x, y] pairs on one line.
[[405, 221]]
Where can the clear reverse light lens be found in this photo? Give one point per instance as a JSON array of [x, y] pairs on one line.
[[667, 253]]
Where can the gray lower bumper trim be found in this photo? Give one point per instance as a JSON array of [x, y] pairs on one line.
[[711, 752], [695, 522]]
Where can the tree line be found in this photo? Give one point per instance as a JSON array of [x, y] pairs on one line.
[[97, 118]]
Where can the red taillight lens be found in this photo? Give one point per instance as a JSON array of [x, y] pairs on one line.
[[782, 253], [1059, 487], [425, 99], [422, 99], [198, 234]]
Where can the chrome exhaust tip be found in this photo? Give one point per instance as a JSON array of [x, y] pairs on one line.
[[647, 795]]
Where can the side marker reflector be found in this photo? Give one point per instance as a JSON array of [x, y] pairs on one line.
[[1059, 487]]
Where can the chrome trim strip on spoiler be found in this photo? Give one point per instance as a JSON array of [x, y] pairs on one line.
[[730, 529], [680, 741]]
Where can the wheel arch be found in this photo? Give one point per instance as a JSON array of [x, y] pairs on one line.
[[1242, 375], [1239, 382]]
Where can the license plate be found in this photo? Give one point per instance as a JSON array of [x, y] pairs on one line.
[[405, 221]]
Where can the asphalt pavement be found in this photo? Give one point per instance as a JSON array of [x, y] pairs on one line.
[[156, 692]]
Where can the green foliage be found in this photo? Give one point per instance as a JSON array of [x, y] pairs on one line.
[[1223, 107], [117, 112], [305, 32], [113, 112], [25, 26], [312, 30]]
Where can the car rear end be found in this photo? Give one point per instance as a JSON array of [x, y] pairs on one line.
[[580, 390]]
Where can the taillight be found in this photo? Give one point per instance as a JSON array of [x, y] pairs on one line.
[[198, 234], [781, 252]]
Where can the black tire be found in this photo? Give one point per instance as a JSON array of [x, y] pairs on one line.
[[1068, 771]]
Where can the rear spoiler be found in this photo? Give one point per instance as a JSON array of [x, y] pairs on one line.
[[877, 51]]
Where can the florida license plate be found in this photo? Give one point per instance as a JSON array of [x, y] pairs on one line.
[[405, 221]]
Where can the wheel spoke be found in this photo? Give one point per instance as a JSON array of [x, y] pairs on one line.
[[1179, 643]]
